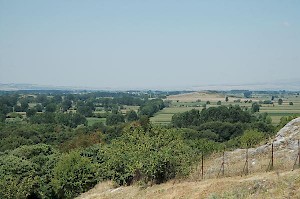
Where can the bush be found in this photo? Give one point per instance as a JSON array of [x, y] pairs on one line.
[[26, 172], [153, 156], [251, 138], [73, 175], [17, 177]]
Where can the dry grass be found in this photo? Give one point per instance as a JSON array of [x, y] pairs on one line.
[[204, 96], [262, 185], [281, 182]]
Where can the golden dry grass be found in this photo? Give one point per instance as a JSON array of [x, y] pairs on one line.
[[260, 185], [281, 182], [204, 96]]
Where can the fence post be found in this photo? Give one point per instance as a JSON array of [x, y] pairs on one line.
[[298, 153], [222, 165], [202, 162], [298, 156], [223, 162], [271, 164], [246, 165]]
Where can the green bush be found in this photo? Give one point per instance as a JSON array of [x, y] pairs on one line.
[[17, 177], [250, 138], [73, 175], [27, 171]]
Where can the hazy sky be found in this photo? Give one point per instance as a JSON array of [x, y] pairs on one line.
[[148, 43]]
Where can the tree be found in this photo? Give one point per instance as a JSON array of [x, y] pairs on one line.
[[30, 112], [87, 111], [66, 104], [113, 119], [24, 105], [247, 94], [251, 138], [78, 119], [145, 122], [39, 108], [73, 175], [255, 107], [291, 103], [51, 107], [131, 116], [25, 172], [280, 101], [219, 103], [226, 99], [2, 117]]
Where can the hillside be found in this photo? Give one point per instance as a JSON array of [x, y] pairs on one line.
[[281, 182]]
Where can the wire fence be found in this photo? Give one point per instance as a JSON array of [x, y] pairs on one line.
[[242, 162]]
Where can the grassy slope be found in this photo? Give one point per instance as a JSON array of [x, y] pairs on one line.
[[280, 183], [260, 185]]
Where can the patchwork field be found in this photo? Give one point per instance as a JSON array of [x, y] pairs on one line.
[[197, 100]]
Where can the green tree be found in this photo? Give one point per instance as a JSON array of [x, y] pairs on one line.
[[280, 101], [30, 112], [113, 119], [50, 108], [25, 172], [87, 111], [131, 116], [24, 105], [219, 103], [291, 103], [226, 99], [17, 177], [2, 117], [73, 175], [247, 94], [255, 107], [66, 104], [39, 108], [272, 98], [250, 138]]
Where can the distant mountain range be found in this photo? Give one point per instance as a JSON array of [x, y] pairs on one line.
[[289, 85], [16, 87]]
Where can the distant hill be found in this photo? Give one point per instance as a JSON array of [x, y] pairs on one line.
[[15, 87], [289, 85]]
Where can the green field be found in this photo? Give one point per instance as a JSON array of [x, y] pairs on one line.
[[93, 120], [275, 111]]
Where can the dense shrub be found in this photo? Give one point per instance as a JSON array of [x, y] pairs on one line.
[[73, 175], [152, 156], [251, 138], [26, 172]]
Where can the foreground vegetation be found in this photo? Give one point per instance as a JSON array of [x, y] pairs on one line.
[[55, 145]]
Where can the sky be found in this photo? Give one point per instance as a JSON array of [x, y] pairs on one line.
[[150, 44]]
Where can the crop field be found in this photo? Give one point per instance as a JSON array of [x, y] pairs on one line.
[[165, 116], [126, 108], [197, 100], [93, 120]]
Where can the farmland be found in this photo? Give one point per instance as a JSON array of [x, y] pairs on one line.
[[108, 135], [197, 100]]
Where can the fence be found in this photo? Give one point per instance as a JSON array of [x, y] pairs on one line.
[[241, 162]]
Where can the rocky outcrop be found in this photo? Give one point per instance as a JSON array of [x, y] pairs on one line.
[[285, 147]]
